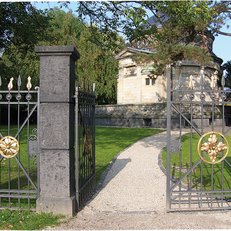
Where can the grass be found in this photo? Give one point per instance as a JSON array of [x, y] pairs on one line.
[[15, 178], [109, 142], [26, 220], [204, 176]]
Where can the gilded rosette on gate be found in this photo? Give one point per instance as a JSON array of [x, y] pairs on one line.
[[213, 147], [9, 147]]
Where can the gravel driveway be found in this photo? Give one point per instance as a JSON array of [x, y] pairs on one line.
[[132, 196]]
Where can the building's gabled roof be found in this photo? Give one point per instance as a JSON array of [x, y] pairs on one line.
[[134, 50]]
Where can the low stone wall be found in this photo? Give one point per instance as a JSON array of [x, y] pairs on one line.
[[150, 115]]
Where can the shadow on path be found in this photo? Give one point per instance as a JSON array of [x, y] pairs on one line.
[[108, 175]]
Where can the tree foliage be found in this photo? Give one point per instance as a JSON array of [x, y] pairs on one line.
[[130, 17], [22, 27], [171, 28], [96, 64], [21, 24], [175, 27]]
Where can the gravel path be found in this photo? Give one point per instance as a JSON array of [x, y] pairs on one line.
[[133, 196]]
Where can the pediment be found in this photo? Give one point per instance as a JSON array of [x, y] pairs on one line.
[[124, 54], [130, 51]]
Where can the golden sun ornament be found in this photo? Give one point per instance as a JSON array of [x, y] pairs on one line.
[[9, 147], [215, 149]]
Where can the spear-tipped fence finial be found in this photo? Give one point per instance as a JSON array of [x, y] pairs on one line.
[[10, 84], [29, 85], [19, 83]]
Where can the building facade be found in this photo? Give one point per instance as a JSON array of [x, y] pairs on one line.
[[141, 95], [137, 85]]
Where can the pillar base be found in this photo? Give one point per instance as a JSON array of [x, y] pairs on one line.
[[65, 206]]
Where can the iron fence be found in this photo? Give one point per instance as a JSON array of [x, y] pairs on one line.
[[19, 159], [19, 146], [198, 157], [85, 143]]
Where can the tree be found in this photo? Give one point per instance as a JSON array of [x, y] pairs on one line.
[[22, 27], [21, 23], [174, 30], [96, 64], [15, 62]]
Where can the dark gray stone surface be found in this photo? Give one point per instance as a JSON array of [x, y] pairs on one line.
[[56, 132], [56, 80], [150, 115], [57, 205], [57, 51], [55, 180]]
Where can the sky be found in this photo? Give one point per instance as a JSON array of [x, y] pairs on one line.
[[221, 45]]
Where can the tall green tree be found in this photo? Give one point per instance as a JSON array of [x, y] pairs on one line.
[[21, 25], [97, 63], [15, 62]]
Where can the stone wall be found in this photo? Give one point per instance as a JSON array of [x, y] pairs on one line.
[[150, 115]]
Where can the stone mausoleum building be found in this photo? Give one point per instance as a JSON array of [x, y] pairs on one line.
[[136, 84], [141, 95]]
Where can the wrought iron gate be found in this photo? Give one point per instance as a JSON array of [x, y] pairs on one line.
[[198, 162], [18, 146], [85, 143]]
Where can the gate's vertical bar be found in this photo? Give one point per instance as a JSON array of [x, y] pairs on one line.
[[191, 148], [202, 98], [80, 144], [9, 96], [169, 105], [0, 137], [28, 156], [93, 124], [19, 153], [180, 154], [87, 127], [85, 137], [84, 134], [38, 141], [212, 166], [223, 132], [77, 144]]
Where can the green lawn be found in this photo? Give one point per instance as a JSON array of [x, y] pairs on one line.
[[109, 142], [26, 220], [204, 176], [15, 178]]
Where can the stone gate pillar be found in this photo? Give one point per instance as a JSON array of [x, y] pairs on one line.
[[56, 129]]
